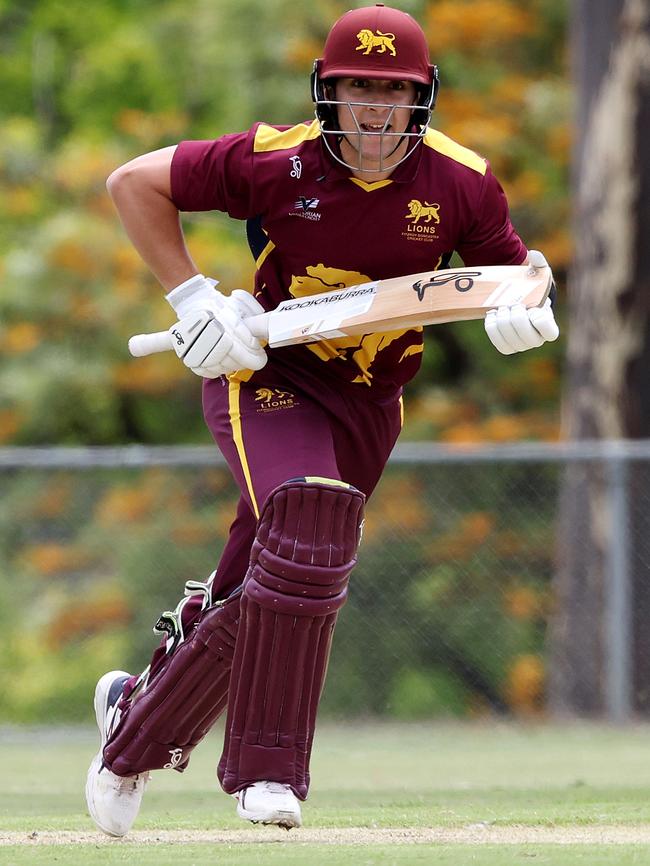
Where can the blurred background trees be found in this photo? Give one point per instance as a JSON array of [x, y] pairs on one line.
[[86, 87]]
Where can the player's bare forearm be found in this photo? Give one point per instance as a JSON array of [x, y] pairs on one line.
[[141, 192]]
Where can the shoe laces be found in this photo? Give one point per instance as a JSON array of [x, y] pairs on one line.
[[113, 716]]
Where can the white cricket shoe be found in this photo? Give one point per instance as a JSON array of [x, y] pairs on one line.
[[113, 801], [269, 803]]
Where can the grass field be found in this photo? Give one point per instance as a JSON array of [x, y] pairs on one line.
[[481, 795]]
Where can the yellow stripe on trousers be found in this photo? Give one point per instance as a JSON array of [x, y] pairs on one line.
[[238, 438]]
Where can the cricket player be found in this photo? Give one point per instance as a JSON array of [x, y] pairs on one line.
[[364, 191]]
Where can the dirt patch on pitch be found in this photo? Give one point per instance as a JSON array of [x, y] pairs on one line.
[[473, 834]]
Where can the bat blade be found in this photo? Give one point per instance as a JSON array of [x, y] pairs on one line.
[[432, 297], [401, 302]]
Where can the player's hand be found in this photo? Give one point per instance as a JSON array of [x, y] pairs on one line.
[[517, 329], [197, 293], [211, 337]]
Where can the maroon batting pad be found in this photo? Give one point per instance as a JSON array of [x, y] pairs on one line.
[[301, 560], [175, 711]]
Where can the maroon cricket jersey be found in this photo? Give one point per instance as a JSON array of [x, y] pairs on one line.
[[312, 228]]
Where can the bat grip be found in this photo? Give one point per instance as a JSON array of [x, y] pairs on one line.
[[259, 326], [148, 344], [162, 341]]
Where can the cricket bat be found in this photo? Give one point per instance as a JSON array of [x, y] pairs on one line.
[[433, 297]]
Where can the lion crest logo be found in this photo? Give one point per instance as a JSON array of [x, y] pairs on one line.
[[266, 395], [370, 41], [427, 211]]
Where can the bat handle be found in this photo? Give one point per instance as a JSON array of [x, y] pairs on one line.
[[148, 344], [259, 326], [162, 341]]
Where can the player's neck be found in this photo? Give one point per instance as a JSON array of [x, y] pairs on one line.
[[370, 169], [372, 176]]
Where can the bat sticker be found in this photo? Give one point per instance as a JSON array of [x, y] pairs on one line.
[[462, 281]]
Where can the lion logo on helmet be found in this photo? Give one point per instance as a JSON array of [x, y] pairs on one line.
[[381, 41]]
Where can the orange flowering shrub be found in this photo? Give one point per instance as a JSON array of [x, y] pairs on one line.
[[477, 25], [524, 689], [87, 616], [523, 602], [461, 542], [156, 375], [190, 532], [52, 558], [54, 499], [125, 505], [21, 337], [72, 290], [10, 422]]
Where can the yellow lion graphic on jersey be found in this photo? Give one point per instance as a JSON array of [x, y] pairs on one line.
[[361, 350], [381, 41], [320, 278], [417, 210]]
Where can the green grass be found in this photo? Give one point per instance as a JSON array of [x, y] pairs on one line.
[[444, 777], [313, 855]]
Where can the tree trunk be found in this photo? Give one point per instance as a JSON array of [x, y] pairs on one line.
[[607, 393]]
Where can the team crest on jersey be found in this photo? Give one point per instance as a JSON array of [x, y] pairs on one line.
[[272, 399], [424, 219], [306, 208], [381, 42]]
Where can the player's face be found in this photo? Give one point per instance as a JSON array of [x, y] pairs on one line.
[[385, 111]]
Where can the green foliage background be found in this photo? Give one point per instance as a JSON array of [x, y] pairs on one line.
[[83, 88], [86, 87]]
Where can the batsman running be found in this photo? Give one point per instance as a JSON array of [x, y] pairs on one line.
[[365, 191]]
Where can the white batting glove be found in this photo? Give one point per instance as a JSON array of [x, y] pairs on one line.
[[211, 337], [517, 329], [243, 303], [197, 293]]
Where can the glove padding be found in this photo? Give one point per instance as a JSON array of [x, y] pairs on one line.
[[211, 337], [516, 329], [197, 293]]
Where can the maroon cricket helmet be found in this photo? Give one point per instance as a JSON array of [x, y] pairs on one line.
[[374, 42], [377, 42]]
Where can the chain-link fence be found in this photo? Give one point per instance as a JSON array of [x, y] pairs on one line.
[[449, 604]]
